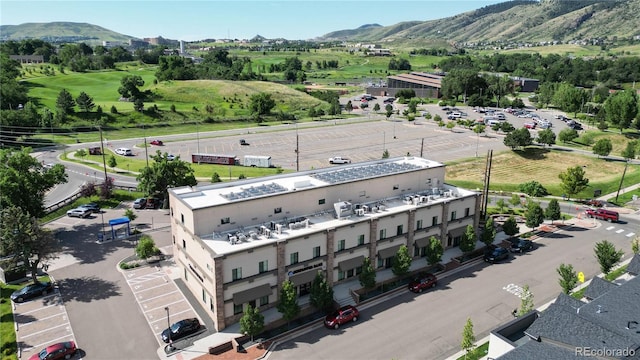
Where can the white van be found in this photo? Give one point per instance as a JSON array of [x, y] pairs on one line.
[[491, 120], [124, 151]]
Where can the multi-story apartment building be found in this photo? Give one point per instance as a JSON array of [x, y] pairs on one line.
[[238, 242]]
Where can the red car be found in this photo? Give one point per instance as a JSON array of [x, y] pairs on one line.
[[341, 317], [423, 282], [156, 142], [63, 350], [530, 125]]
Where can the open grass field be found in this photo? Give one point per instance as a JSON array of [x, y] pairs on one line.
[[510, 169]]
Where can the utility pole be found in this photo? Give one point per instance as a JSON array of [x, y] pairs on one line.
[[104, 162], [146, 151], [297, 150], [622, 179], [421, 147]]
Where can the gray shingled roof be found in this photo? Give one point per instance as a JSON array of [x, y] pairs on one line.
[[597, 287], [568, 301], [539, 350], [634, 265]]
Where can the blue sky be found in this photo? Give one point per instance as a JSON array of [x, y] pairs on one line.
[[196, 20]]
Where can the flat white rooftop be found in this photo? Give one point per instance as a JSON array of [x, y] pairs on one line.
[[223, 193]]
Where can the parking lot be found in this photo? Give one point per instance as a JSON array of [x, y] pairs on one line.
[[42, 322], [155, 291]]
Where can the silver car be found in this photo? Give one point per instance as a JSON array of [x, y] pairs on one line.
[[79, 212]]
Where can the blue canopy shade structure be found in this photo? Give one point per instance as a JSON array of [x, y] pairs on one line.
[[120, 221]]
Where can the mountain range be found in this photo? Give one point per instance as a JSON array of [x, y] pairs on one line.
[[512, 21]]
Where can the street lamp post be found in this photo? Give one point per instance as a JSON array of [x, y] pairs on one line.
[[166, 308]]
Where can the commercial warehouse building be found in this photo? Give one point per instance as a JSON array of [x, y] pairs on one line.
[[238, 242]]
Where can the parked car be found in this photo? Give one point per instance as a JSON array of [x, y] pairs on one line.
[[181, 329], [423, 282], [32, 291], [95, 150], [530, 125], [520, 245], [595, 203], [603, 214], [152, 203], [140, 203], [124, 151], [389, 100], [496, 254], [63, 350], [79, 213], [172, 157], [93, 207], [341, 316], [156, 142]]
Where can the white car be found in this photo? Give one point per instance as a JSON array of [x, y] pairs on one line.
[[79, 212], [124, 151]]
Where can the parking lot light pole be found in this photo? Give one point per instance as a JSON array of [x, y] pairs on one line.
[[166, 308]]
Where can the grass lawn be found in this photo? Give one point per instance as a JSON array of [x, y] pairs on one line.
[[478, 353], [9, 347], [512, 168]]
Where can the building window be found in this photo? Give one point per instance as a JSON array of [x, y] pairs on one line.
[[419, 224], [380, 262], [237, 309], [341, 245], [225, 220], [321, 202], [294, 258], [173, 238], [182, 218], [358, 270], [466, 212], [453, 215], [264, 300], [399, 230], [236, 274], [211, 304], [184, 244], [316, 251], [434, 221], [204, 296], [263, 266], [383, 234], [277, 210], [340, 275], [360, 239], [186, 275]]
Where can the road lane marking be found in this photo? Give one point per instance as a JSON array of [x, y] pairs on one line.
[[630, 234]]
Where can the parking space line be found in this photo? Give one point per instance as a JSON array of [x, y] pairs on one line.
[[609, 228], [630, 234], [51, 341], [41, 331], [159, 296], [41, 308], [45, 318], [162, 307], [150, 288], [144, 278], [619, 231]]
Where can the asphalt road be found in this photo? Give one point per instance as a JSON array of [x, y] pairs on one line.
[[429, 325]]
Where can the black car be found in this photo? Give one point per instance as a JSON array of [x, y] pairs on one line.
[[32, 291], [93, 207], [496, 254], [521, 245], [181, 329]]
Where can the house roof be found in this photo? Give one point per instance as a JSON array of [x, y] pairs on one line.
[[597, 287], [539, 350], [634, 265]]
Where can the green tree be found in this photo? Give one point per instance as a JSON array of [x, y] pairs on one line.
[[163, 174], [130, 214], [129, 87], [569, 98], [518, 138], [546, 137], [261, 104], [376, 107], [515, 200], [635, 245], [385, 154], [85, 102], [568, 278], [479, 129], [573, 180], [553, 212], [24, 181], [435, 250], [65, 102], [413, 105], [510, 226], [451, 125], [81, 153], [607, 255], [321, 295], [349, 106], [288, 305], [534, 216], [567, 135], [533, 188], [526, 301], [23, 240], [251, 322], [112, 162], [621, 108], [12, 92], [489, 232], [146, 248], [602, 147], [401, 261], [468, 343], [501, 204], [215, 178], [468, 242], [629, 151], [368, 275]]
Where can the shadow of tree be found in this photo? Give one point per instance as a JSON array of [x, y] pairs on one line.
[[81, 243], [87, 288]]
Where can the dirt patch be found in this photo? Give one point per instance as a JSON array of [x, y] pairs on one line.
[[250, 353]]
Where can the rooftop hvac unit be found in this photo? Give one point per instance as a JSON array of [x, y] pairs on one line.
[[360, 212], [366, 208], [381, 207], [242, 237], [267, 233], [305, 223], [233, 240], [424, 199], [253, 235], [278, 228]]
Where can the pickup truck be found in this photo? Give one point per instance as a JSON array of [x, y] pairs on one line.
[[339, 160]]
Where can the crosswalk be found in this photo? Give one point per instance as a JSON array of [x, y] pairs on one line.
[[617, 230]]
